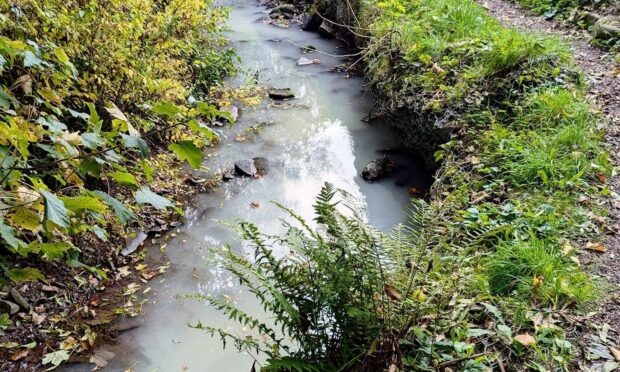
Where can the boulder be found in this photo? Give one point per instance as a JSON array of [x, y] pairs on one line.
[[262, 166], [326, 31], [312, 21], [245, 168], [378, 169], [283, 93], [607, 28], [8, 307]]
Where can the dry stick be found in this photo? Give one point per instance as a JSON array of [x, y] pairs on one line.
[[459, 360], [325, 53]]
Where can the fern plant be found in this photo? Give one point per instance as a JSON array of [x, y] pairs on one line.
[[331, 298]]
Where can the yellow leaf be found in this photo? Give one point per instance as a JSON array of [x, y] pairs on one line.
[[525, 339], [598, 247], [26, 218]]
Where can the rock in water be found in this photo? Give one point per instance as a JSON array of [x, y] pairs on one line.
[[262, 166], [245, 168], [283, 9], [8, 307], [377, 169], [326, 31], [312, 21], [283, 93]]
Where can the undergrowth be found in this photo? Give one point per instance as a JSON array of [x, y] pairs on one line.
[[87, 90], [489, 272]]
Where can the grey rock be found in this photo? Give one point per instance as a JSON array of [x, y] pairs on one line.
[[245, 168], [378, 169], [590, 18], [8, 307], [134, 244], [262, 166], [19, 299], [326, 31], [281, 93], [232, 110], [227, 177], [607, 28], [283, 9], [312, 21]]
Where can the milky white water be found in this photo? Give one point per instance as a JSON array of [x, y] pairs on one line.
[[321, 139]]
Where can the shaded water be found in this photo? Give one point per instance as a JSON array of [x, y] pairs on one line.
[[321, 139]]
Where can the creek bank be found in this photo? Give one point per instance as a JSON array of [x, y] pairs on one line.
[[483, 121]]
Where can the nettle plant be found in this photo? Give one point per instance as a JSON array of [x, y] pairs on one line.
[[61, 144]]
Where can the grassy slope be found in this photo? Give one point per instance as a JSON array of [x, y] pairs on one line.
[[523, 171]]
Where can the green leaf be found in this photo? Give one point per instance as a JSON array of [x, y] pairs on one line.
[[25, 218], [55, 210], [56, 358], [51, 251], [7, 233], [122, 212], [5, 102], [186, 150], [146, 196], [125, 179], [165, 108], [92, 140], [5, 322], [201, 128], [27, 274], [101, 233], [135, 142], [30, 59], [78, 204]]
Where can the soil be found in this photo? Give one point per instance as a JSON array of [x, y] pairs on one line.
[[602, 71]]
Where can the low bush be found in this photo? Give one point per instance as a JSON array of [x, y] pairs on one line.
[[87, 89]]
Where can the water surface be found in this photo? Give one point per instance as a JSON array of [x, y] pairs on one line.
[[322, 138]]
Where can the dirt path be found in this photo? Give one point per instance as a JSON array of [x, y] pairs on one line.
[[603, 76]]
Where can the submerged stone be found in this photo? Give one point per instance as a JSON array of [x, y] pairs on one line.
[[262, 166], [281, 93], [245, 168], [378, 169]]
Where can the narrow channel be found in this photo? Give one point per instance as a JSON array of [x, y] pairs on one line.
[[319, 138]]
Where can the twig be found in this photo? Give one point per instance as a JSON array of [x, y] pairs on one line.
[[459, 360]]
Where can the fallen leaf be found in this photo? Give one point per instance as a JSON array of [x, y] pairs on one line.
[[616, 353], [69, 344], [525, 339], [415, 191], [254, 205], [49, 288], [38, 318], [598, 247], [392, 292], [616, 71], [19, 355], [240, 138], [601, 177]]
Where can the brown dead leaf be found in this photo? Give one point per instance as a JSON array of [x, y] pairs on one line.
[[254, 205], [525, 339], [478, 197], [49, 288], [616, 71], [38, 318], [598, 247], [437, 69], [19, 355], [615, 352], [601, 177], [148, 275], [69, 344], [240, 139], [415, 191], [392, 292]]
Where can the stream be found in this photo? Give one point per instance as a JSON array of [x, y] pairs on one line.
[[320, 138]]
